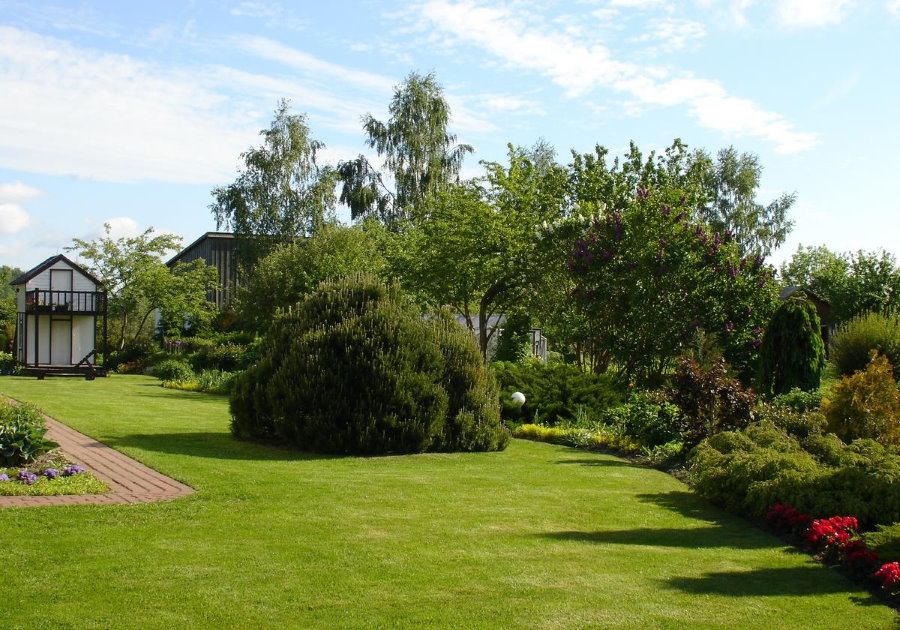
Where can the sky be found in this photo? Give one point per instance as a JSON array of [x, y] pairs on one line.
[[130, 113]]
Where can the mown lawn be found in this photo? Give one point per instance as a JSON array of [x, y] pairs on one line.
[[538, 536]]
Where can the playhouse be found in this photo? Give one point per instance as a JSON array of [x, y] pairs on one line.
[[58, 305]]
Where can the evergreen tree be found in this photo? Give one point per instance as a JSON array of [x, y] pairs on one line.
[[792, 352]]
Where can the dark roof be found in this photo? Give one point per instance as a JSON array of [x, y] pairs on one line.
[[787, 292], [224, 235], [31, 273]]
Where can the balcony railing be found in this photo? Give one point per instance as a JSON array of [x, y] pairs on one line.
[[78, 302]]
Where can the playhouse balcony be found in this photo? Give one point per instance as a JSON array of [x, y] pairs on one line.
[[65, 302]]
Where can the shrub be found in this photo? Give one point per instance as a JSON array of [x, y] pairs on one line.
[[515, 340], [553, 392], [173, 370], [885, 541], [866, 404], [22, 433], [798, 400], [226, 357], [710, 401], [207, 381], [792, 354], [356, 368], [799, 424], [132, 367], [7, 363], [648, 417], [852, 345], [748, 471], [600, 437]]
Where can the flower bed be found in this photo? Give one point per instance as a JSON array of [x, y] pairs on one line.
[[49, 476]]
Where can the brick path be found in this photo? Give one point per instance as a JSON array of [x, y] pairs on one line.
[[129, 481]]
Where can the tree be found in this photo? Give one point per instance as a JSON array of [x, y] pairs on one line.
[[477, 247], [419, 153], [293, 270], [853, 282], [792, 352], [649, 277], [281, 193], [137, 281], [7, 306], [731, 184]]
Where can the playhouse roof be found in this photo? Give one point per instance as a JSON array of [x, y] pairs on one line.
[[31, 273]]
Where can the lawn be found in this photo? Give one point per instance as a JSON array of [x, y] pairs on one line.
[[538, 536]]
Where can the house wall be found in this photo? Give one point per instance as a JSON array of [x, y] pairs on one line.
[[43, 333], [80, 282], [218, 252], [83, 328]]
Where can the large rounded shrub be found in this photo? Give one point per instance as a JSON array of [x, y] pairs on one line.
[[853, 343], [356, 368]]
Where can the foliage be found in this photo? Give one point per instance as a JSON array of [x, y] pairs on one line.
[[292, 270], [138, 282], [885, 541], [648, 417], [553, 393], [355, 368], [7, 363], [799, 423], [749, 470], [515, 341], [853, 282], [173, 370], [280, 193], [731, 183], [866, 404], [420, 154], [22, 433], [599, 437], [798, 400], [206, 381], [710, 401], [649, 276], [854, 341], [479, 244], [227, 357], [792, 354], [52, 476]]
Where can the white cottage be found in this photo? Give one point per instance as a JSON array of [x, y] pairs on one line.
[[57, 306]]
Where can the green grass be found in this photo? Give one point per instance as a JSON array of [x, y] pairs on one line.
[[538, 536]]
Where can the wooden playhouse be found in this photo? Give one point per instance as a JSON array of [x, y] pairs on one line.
[[58, 305]]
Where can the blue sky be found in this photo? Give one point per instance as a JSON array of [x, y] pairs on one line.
[[130, 113]]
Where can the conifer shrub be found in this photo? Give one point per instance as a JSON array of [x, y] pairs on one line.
[[852, 345], [553, 393], [792, 354], [866, 404], [355, 368]]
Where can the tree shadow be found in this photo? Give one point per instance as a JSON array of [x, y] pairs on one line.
[[212, 445], [600, 462], [803, 581], [688, 538], [686, 503]]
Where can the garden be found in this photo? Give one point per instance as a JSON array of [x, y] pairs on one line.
[[376, 439]]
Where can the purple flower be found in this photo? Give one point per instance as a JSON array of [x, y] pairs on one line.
[[666, 210], [4, 477], [643, 193], [756, 343], [682, 200], [27, 477], [51, 473], [758, 261], [680, 217], [732, 272], [74, 469], [729, 327]]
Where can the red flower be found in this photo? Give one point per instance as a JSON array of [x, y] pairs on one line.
[[889, 574]]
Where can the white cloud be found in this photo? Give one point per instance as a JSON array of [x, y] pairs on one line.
[[12, 218], [893, 6], [637, 4], [813, 13], [121, 227], [16, 192], [581, 68], [672, 34]]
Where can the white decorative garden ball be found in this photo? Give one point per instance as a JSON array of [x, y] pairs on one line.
[[518, 398]]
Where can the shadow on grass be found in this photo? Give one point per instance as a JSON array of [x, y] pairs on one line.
[[804, 581], [210, 445], [600, 462], [688, 538], [686, 503]]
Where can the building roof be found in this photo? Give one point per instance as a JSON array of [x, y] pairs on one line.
[[222, 235], [31, 273], [787, 292]]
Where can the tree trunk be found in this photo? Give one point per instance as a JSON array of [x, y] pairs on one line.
[[496, 289]]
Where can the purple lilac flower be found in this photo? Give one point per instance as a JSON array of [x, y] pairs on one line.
[[758, 261], [666, 210], [27, 477], [73, 469], [732, 272], [680, 217], [51, 473], [4, 477], [643, 193], [756, 343], [682, 200]]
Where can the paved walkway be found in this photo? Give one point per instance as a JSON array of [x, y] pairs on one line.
[[129, 481]]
